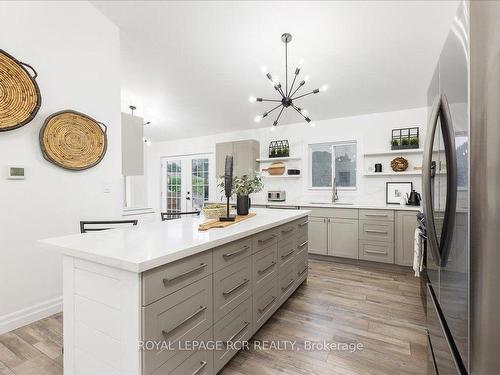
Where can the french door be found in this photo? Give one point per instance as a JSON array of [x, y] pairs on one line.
[[185, 183]]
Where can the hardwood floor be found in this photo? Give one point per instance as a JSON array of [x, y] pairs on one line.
[[377, 307]]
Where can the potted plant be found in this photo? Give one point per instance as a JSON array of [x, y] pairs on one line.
[[405, 142], [414, 142], [244, 186], [395, 144]]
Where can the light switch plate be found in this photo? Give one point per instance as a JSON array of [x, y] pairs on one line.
[[16, 172]]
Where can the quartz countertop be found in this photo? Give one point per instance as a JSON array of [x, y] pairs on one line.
[[150, 245], [395, 207]]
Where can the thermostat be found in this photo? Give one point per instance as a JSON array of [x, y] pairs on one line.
[[15, 173]]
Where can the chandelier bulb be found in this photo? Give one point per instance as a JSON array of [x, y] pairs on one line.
[[252, 99], [305, 112], [301, 63], [312, 124], [273, 128], [258, 118], [307, 78], [264, 69], [323, 88]]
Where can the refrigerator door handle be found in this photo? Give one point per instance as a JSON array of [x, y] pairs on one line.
[[428, 172], [451, 181]]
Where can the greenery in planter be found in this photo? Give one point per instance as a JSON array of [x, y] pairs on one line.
[[405, 141], [395, 142], [244, 185], [414, 141]]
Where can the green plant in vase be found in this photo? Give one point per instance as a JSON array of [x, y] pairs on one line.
[[405, 142], [395, 143], [414, 142]]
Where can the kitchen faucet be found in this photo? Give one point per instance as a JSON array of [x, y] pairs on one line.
[[335, 196]]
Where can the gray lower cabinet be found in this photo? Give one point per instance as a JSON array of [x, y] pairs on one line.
[[406, 224], [225, 294], [343, 238], [318, 235], [376, 251]]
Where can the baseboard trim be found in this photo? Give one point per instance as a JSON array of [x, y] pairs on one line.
[[30, 314]]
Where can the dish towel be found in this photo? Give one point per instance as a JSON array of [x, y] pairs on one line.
[[418, 257]]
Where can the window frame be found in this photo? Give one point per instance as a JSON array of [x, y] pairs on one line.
[[332, 145]]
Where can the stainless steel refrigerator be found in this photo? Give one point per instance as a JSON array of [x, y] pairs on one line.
[[461, 186]]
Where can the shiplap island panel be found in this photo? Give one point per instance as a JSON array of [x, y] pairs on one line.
[[126, 290]]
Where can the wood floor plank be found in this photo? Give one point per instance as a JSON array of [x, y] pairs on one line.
[[378, 306]]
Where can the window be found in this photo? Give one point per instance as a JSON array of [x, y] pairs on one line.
[[332, 159]]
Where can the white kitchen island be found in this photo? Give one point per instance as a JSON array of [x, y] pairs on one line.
[[126, 290]]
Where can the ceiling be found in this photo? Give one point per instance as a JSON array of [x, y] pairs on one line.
[[189, 67]]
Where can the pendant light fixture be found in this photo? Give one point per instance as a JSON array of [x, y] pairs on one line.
[[289, 95]]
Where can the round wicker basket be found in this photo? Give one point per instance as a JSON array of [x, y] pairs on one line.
[[20, 97], [73, 140], [399, 164]]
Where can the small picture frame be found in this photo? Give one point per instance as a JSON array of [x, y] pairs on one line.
[[395, 190]]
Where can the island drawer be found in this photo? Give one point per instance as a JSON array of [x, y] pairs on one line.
[[374, 230], [181, 316], [376, 251], [301, 268], [187, 361], [286, 252], [376, 215], [232, 285], [264, 265], [287, 277], [231, 253], [285, 231], [234, 328], [302, 245], [302, 226], [164, 280], [265, 239], [265, 302]]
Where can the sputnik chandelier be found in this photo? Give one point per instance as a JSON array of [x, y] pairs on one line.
[[288, 95]]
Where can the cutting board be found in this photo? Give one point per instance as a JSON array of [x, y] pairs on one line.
[[215, 223]]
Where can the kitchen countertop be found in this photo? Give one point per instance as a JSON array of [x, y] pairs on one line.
[[396, 207], [150, 245]]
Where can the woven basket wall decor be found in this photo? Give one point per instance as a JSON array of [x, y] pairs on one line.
[[73, 140], [399, 164], [20, 97]]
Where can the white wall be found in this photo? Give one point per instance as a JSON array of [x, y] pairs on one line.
[[76, 52], [372, 133]]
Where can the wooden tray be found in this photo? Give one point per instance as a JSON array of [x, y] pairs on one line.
[[215, 223]]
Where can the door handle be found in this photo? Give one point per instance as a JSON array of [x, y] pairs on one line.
[[228, 292], [167, 280], [202, 365], [376, 231], [261, 310], [260, 272], [245, 325], [167, 332], [287, 254], [244, 248]]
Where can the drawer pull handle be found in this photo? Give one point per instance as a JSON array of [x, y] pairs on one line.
[[376, 231], [287, 254], [376, 215], [201, 309], [302, 272], [267, 239], [235, 288], [284, 231], [267, 305], [376, 252], [304, 223], [304, 243], [202, 365], [268, 267], [245, 325], [229, 255], [167, 280], [287, 285]]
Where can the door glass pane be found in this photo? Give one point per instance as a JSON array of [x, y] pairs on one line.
[[174, 186], [345, 165], [321, 166], [199, 181]]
